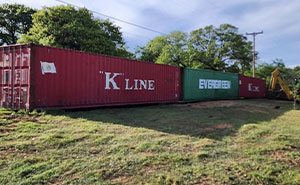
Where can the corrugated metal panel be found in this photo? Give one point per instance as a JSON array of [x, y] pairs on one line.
[[66, 78], [206, 84], [252, 87]]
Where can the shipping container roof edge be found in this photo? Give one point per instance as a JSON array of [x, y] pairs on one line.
[[252, 77], [16, 45], [210, 70], [37, 45]]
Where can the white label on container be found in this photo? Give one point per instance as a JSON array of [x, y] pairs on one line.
[[253, 88], [112, 81], [214, 84], [48, 67]]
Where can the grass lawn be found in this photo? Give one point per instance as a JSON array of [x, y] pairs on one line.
[[220, 142]]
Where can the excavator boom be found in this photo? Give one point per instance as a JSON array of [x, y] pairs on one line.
[[275, 77]]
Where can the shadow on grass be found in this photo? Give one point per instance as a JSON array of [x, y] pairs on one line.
[[194, 119]]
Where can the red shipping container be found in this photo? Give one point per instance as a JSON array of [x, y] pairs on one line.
[[252, 87], [40, 77]]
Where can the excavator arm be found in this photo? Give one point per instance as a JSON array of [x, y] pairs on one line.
[[275, 77]]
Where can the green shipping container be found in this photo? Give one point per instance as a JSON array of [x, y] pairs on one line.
[[199, 84]]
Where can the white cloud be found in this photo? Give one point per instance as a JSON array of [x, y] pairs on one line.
[[276, 18], [293, 65]]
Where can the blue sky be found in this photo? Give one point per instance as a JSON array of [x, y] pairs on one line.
[[279, 19]]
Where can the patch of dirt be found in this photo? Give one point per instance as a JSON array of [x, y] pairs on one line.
[[123, 179], [223, 126], [229, 103], [6, 152], [15, 118], [204, 180], [148, 153], [153, 168], [282, 157], [281, 101], [5, 130], [217, 127], [187, 149], [211, 104], [253, 110], [68, 174], [248, 106]]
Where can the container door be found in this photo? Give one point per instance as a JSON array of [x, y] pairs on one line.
[[14, 71]]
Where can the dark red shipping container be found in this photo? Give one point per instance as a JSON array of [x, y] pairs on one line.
[[252, 87], [40, 77]]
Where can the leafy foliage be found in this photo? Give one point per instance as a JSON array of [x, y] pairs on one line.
[[171, 49], [264, 71], [221, 49], [67, 27], [213, 48], [15, 19]]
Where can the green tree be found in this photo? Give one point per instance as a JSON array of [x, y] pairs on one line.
[[15, 19], [221, 49], [153, 49], [297, 71], [67, 27], [168, 49], [174, 52], [213, 48], [264, 71]]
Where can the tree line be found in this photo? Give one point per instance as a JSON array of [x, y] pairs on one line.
[[217, 48], [61, 26], [220, 49]]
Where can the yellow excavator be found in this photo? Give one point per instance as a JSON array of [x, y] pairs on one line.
[[276, 77]]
